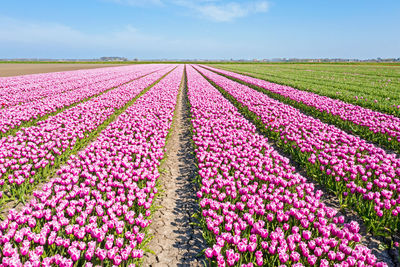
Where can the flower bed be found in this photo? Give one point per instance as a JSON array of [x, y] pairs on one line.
[[255, 209], [28, 157], [362, 175], [377, 127], [97, 210], [12, 118]]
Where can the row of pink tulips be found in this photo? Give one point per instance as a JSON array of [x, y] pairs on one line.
[[27, 157], [18, 94], [375, 126], [27, 114], [37, 81], [29, 88], [97, 210], [255, 209], [362, 175], [44, 78]]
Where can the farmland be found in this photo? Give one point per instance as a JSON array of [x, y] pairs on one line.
[[33, 68], [368, 85], [192, 164]]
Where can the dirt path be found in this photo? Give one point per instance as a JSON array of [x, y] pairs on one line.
[[15, 69], [176, 241]]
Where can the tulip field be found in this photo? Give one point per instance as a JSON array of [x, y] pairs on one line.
[[81, 156], [374, 86]]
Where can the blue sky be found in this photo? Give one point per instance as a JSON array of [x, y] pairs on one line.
[[203, 29]]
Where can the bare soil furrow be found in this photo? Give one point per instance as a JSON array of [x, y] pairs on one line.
[[177, 240]]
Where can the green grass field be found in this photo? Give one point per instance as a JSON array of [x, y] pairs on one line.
[[376, 86]]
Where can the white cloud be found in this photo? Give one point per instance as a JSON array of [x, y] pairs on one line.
[[137, 2], [31, 39], [45, 38], [230, 11], [215, 10], [29, 32]]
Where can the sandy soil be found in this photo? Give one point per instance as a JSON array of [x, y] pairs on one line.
[[15, 69]]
